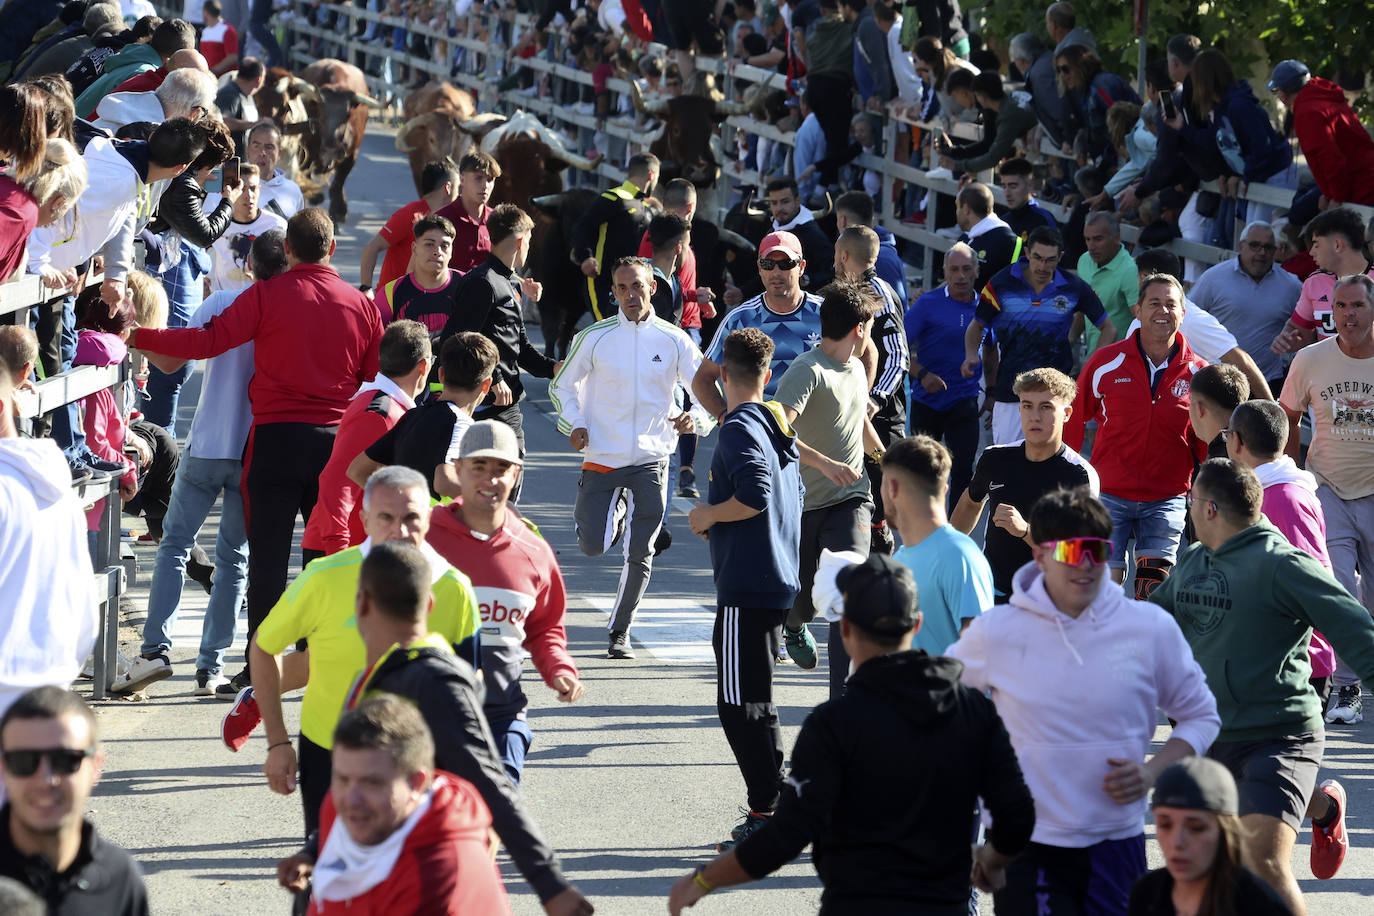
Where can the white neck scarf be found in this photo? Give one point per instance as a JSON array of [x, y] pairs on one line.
[[347, 869]]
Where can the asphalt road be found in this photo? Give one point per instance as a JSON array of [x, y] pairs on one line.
[[633, 785]]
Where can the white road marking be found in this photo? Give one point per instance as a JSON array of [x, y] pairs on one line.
[[669, 629]]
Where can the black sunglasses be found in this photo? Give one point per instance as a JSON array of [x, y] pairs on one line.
[[777, 263], [65, 761]]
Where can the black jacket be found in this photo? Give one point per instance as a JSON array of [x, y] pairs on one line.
[[180, 208], [445, 688], [489, 302], [884, 781], [103, 881], [995, 249]]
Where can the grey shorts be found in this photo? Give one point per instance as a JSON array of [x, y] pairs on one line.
[[1275, 776]]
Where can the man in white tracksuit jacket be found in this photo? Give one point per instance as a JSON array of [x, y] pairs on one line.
[[614, 397]]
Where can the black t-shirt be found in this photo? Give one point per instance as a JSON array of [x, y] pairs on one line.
[[1005, 475], [431, 307], [422, 439], [1153, 896]]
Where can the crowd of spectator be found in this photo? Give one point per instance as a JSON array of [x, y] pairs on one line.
[[1174, 453]]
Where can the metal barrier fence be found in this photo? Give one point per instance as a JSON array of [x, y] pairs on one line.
[[49, 395], [484, 64]]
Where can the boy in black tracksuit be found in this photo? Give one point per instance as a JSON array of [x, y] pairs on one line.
[[753, 523]]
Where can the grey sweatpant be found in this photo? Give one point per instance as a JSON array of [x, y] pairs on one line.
[[1350, 542], [598, 493], [843, 526]]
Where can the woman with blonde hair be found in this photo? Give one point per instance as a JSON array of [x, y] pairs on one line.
[[48, 195], [1195, 804]]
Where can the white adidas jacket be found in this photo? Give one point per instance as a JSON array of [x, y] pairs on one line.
[[618, 383]]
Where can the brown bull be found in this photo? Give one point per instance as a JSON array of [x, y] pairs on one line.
[[684, 147], [279, 101], [337, 105], [433, 129]]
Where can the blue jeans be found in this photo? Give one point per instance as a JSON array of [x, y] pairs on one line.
[[164, 394], [66, 420], [200, 481], [261, 29], [1156, 527], [513, 739]]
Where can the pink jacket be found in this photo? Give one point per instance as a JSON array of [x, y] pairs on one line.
[[1291, 505], [103, 421]]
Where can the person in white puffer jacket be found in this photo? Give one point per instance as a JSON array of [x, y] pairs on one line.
[[614, 398], [1078, 672]]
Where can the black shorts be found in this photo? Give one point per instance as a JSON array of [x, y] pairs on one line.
[[1275, 776], [690, 21]]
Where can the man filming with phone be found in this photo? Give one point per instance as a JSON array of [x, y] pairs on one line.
[[229, 253]]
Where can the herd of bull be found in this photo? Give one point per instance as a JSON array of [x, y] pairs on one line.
[[322, 114]]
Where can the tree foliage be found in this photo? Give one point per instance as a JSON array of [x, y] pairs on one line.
[[1330, 36]]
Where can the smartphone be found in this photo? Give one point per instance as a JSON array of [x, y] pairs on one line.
[[1166, 100], [230, 173]]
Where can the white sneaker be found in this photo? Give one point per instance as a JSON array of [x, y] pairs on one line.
[[140, 673], [207, 682], [88, 669]]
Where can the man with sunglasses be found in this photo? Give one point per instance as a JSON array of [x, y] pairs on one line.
[[790, 317], [1081, 737], [51, 761], [1252, 297], [1247, 601], [1031, 306]]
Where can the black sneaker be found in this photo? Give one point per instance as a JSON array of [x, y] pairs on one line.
[[663, 541], [620, 645], [229, 691], [622, 513], [740, 832], [199, 570], [687, 484], [880, 539]]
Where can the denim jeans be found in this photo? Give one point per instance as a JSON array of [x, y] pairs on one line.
[[1156, 527], [200, 481], [164, 394]]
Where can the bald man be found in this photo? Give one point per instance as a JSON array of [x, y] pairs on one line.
[[186, 58]]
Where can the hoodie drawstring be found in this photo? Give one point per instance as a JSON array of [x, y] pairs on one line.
[[1058, 622]]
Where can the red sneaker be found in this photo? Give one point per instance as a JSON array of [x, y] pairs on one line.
[[240, 720], [1329, 844]]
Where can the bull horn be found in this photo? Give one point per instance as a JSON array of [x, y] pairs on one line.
[[823, 212], [369, 101], [482, 123], [406, 128], [754, 212], [730, 109], [575, 160], [548, 202], [735, 240], [658, 108], [308, 90]]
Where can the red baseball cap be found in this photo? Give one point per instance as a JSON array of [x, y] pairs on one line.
[[785, 242]]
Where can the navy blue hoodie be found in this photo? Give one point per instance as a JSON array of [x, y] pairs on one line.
[[1244, 135], [756, 461]]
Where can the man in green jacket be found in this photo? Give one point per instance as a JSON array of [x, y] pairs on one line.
[[1247, 602], [171, 36]]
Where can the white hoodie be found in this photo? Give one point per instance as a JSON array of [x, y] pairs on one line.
[[50, 612], [618, 382], [120, 108], [1283, 470], [1073, 692]]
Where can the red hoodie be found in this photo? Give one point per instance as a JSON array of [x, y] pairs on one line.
[[316, 340], [444, 868], [1145, 448], [1338, 148]]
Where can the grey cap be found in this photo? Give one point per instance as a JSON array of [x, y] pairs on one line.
[[101, 16], [491, 439], [1288, 76], [1199, 783]]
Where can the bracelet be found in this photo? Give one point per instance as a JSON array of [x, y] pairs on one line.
[[922, 374], [701, 882], [278, 744]]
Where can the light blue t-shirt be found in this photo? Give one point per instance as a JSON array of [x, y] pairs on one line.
[[224, 413], [953, 584], [792, 334]]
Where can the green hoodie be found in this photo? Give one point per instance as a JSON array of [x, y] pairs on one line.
[[1248, 610], [128, 63]]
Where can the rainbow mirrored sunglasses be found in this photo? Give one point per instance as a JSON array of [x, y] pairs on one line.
[[1073, 550]]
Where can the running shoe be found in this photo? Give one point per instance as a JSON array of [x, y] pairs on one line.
[[663, 541], [1329, 843], [801, 646], [207, 682], [231, 690], [619, 646], [742, 831], [1346, 707], [240, 720]]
